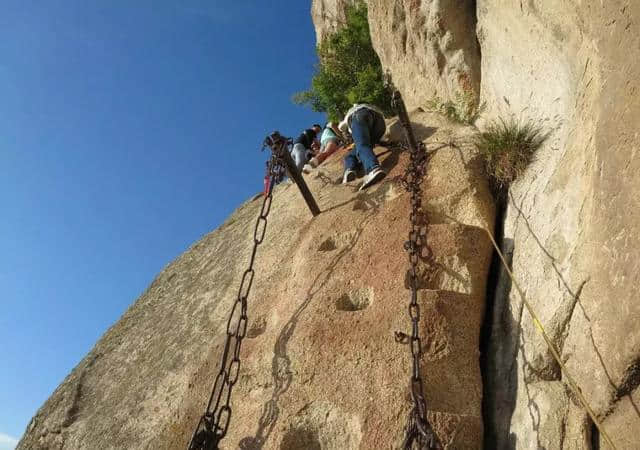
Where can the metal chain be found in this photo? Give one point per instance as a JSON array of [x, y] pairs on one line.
[[213, 424], [418, 431]]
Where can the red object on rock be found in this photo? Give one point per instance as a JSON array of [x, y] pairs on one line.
[[267, 184]]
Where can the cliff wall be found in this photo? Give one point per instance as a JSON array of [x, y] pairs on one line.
[[320, 366], [429, 47], [570, 224]]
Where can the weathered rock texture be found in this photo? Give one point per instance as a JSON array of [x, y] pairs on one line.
[[429, 47], [572, 224], [321, 369], [328, 16], [320, 365]]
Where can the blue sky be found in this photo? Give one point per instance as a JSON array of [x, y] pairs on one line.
[[128, 129]]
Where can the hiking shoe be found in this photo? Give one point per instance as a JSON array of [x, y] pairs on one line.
[[372, 177], [349, 175], [307, 168]]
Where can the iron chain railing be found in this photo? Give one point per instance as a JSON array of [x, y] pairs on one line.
[[213, 424], [418, 430]]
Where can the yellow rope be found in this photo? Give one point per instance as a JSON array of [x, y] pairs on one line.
[[553, 350]]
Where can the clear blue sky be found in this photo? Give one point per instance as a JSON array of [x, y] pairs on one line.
[[128, 129]]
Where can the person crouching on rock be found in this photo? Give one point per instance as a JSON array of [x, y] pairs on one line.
[[329, 144], [305, 146], [366, 124]]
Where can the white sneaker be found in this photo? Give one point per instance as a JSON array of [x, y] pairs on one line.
[[349, 175], [307, 168], [313, 162], [372, 177]]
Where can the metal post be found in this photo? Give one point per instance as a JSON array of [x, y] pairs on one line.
[[299, 180], [404, 120], [280, 146]]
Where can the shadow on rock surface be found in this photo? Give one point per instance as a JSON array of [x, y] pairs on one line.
[[281, 363]]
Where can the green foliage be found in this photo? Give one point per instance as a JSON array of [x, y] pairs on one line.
[[348, 71], [464, 109], [507, 148]]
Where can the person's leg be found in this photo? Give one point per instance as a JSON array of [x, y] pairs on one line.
[[299, 155], [361, 123], [329, 149], [378, 129], [351, 161]]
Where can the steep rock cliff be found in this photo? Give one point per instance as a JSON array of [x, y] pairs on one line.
[[317, 374], [429, 47], [571, 221], [328, 15], [320, 367], [571, 225]]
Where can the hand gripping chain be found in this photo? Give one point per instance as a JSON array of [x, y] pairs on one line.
[[418, 431], [214, 423]]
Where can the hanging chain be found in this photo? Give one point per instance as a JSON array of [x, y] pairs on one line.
[[418, 431], [214, 423]]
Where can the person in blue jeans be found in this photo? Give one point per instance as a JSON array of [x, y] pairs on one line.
[[305, 146], [366, 124]]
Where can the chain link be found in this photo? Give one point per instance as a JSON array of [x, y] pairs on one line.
[[418, 431], [213, 424]]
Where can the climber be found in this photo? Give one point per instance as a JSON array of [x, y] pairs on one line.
[[366, 124], [330, 141], [305, 146]]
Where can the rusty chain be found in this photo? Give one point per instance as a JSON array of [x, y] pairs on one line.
[[418, 430], [214, 423]]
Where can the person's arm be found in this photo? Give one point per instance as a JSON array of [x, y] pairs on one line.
[[337, 132], [344, 126], [315, 146]]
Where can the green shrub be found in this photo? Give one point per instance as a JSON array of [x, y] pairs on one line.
[[507, 148], [464, 109], [348, 71]]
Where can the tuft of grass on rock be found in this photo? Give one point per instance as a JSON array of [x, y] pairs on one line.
[[507, 148], [463, 109]]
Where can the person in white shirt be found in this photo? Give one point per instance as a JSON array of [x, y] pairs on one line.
[[366, 125]]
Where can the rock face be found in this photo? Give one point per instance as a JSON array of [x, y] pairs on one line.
[[429, 47], [320, 366], [572, 224], [328, 15]]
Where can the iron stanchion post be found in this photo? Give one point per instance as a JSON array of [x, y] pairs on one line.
[[302, 185]]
